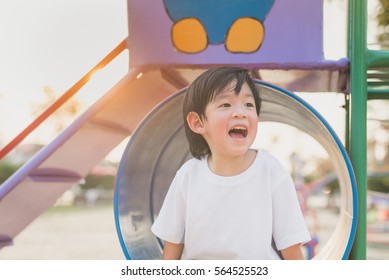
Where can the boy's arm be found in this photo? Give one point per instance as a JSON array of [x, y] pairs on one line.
[[293, 253], [172, 251]]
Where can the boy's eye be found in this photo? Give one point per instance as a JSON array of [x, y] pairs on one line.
[[251, 105], [225, 105]]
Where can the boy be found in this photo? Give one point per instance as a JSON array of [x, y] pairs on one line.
[[229, 202]]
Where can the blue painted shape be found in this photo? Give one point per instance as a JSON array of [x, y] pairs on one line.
[[217, 15]]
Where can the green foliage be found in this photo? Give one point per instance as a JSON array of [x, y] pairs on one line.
[[105, 182], [383, 13], [378, 184], [6, 170], [333, 186], [382, 18]]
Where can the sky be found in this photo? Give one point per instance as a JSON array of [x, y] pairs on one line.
[[55, 42]]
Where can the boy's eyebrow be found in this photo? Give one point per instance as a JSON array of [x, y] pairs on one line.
[[225, 94], [247, 94]]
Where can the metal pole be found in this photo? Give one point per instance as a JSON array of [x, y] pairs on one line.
[[357, 53]]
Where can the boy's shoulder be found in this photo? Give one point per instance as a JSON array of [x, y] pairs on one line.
[[265, 155], [187, 172], [190, 163], [269, 160], [189, 166]]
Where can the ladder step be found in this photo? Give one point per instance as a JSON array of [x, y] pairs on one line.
[[55, 175]]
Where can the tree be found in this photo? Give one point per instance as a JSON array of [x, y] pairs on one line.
[[382, 18], [6, 170], [61, 118]]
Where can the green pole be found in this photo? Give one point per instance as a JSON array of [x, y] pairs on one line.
[[378, 58], [347, 121], [357, 53]]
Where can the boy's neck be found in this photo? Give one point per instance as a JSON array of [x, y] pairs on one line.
[[231, 166]]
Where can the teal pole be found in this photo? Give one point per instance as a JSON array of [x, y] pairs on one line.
[[357, 53], [347, 121], [378, 93], [377, 58]]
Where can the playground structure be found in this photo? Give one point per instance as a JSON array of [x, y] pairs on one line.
[[293, 60]]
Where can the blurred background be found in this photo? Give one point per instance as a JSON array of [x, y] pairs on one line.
[[47, 45]]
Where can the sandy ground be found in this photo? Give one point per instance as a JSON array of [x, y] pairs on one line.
[[87, 233]]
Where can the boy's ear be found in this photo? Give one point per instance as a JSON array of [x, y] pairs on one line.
[[195, 123]]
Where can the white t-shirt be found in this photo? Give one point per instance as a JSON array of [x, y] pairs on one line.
[[234, 217]]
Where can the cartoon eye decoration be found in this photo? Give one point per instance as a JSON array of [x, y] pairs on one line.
[[236, 24]]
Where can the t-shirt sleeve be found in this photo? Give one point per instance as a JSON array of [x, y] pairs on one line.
[[170, 222], [289, 226]]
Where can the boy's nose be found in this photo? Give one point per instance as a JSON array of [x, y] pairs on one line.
[[239, 113]]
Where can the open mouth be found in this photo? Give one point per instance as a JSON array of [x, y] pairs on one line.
[[238, 132]]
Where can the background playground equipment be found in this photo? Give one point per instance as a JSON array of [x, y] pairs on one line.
[[290, 56]]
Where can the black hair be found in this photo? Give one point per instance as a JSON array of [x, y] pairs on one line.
[[203, 90]]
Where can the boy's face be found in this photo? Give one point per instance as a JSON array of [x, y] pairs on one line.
[[231, 122]]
